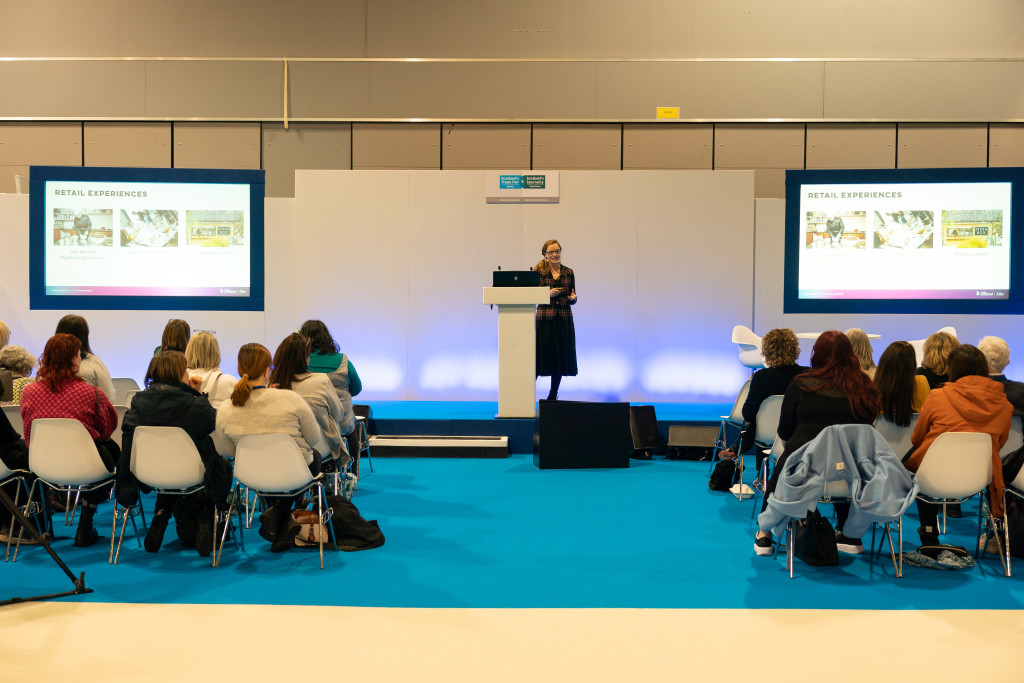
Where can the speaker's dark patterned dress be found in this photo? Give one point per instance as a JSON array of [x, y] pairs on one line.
[[556, 335]]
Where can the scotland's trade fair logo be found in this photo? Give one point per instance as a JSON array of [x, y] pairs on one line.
[[519, 182]]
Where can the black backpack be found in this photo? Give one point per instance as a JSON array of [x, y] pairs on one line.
[[724, 475], [350, 530]]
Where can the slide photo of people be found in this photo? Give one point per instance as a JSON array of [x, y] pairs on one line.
[[208, 228], [904, 230], [149, 228], [836, 230], [972, 229], [83, 227]]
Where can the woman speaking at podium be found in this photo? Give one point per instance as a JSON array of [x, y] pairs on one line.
[[556, 335]]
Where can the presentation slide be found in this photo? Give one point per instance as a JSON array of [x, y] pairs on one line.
[[141, 239], [914, 241]]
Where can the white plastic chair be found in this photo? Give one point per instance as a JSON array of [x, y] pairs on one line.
[[13, 414], [1013, 488], [1015, 440], [122, 385], [766, 427], [272, 466], [166, 460], [63, 457], [17, 477], [898, 437], [749, 346], [918, 345], [128, 396], [732, 421], [957, 467]]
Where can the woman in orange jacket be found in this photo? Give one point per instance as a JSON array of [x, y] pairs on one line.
[[968, 402]]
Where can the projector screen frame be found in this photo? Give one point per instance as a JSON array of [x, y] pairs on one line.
[[39, 235], [795, 179]]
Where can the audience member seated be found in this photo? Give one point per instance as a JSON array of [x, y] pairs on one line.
[[936, 350], [203, 357], [326, 357], [175, 337], [5, 375], [168, 401], [92, 369], [61, 392], [968, 402], [291, 371], [14, 454], [901, 391], [834, 391], [862, 349], [19, 363], [997, 353], [780, 349], [256, 409]]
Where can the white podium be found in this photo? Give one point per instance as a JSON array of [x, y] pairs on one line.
[[517, 349]]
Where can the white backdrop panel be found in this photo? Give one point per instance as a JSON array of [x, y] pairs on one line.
[[695, 244]]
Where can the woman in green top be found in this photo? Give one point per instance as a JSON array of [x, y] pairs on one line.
[[326, 357]]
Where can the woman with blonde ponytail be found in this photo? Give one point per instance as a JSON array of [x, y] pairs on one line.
[[258, 408]]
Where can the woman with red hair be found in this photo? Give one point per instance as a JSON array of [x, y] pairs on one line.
[[834, 391], [59, 392]]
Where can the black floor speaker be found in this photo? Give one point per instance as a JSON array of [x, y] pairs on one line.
[[573, 434]]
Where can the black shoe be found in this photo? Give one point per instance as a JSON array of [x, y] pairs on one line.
[[929, 535], [87, 534], [763, 545], [850, 546], [285, 537], [155, 535], [204, 538], [953, 511]]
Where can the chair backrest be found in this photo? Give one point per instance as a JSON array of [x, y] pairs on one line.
[[62, 452], [13, 414], [129, 395], [898, 437], [768, 419], [116, 436], [166, 458], [122, 385], [1015, 440], [271, 463], [749, 347], [736, 414], [957, 464]]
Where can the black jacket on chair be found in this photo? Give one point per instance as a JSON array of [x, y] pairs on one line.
[[173, 405]]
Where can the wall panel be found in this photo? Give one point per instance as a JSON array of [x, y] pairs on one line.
[[146, 145], [40, 144], [851, 145], [214, 89], [568, 146], [483, 145], [759, 145], [329, 90], [1006, 144], [924, 145], [396, 146], [668, 146], [217, 145], [83, 89], [306, 146]]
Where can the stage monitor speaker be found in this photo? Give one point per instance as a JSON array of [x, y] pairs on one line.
[[574, 434], [691, 442], [643, 426]]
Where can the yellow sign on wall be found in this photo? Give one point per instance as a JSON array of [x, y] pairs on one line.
[[668, 112]]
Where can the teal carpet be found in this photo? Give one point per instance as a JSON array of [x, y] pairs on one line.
[[501, 533]]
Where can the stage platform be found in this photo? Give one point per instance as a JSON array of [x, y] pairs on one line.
[[477, 418]]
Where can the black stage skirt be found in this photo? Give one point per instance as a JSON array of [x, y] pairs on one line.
[[556, 347]]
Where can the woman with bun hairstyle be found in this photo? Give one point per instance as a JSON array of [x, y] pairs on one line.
[[834, 391], [92, 369], [257, 408], [556, 333], [59, 391]]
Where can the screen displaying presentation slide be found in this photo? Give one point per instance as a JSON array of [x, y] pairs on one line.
[[146, 238], [898, 238]]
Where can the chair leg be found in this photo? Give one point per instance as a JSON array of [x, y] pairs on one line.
[[10, 530], [899, 524], [1006, 532], [320, 517], [227, 522], [38, 483]]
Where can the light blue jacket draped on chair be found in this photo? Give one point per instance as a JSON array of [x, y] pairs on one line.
[[856, 464]]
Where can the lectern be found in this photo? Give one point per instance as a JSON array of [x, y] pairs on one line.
[[517, 363]]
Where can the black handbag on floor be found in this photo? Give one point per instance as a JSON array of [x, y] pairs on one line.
[[814, 541], [724, 475]]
